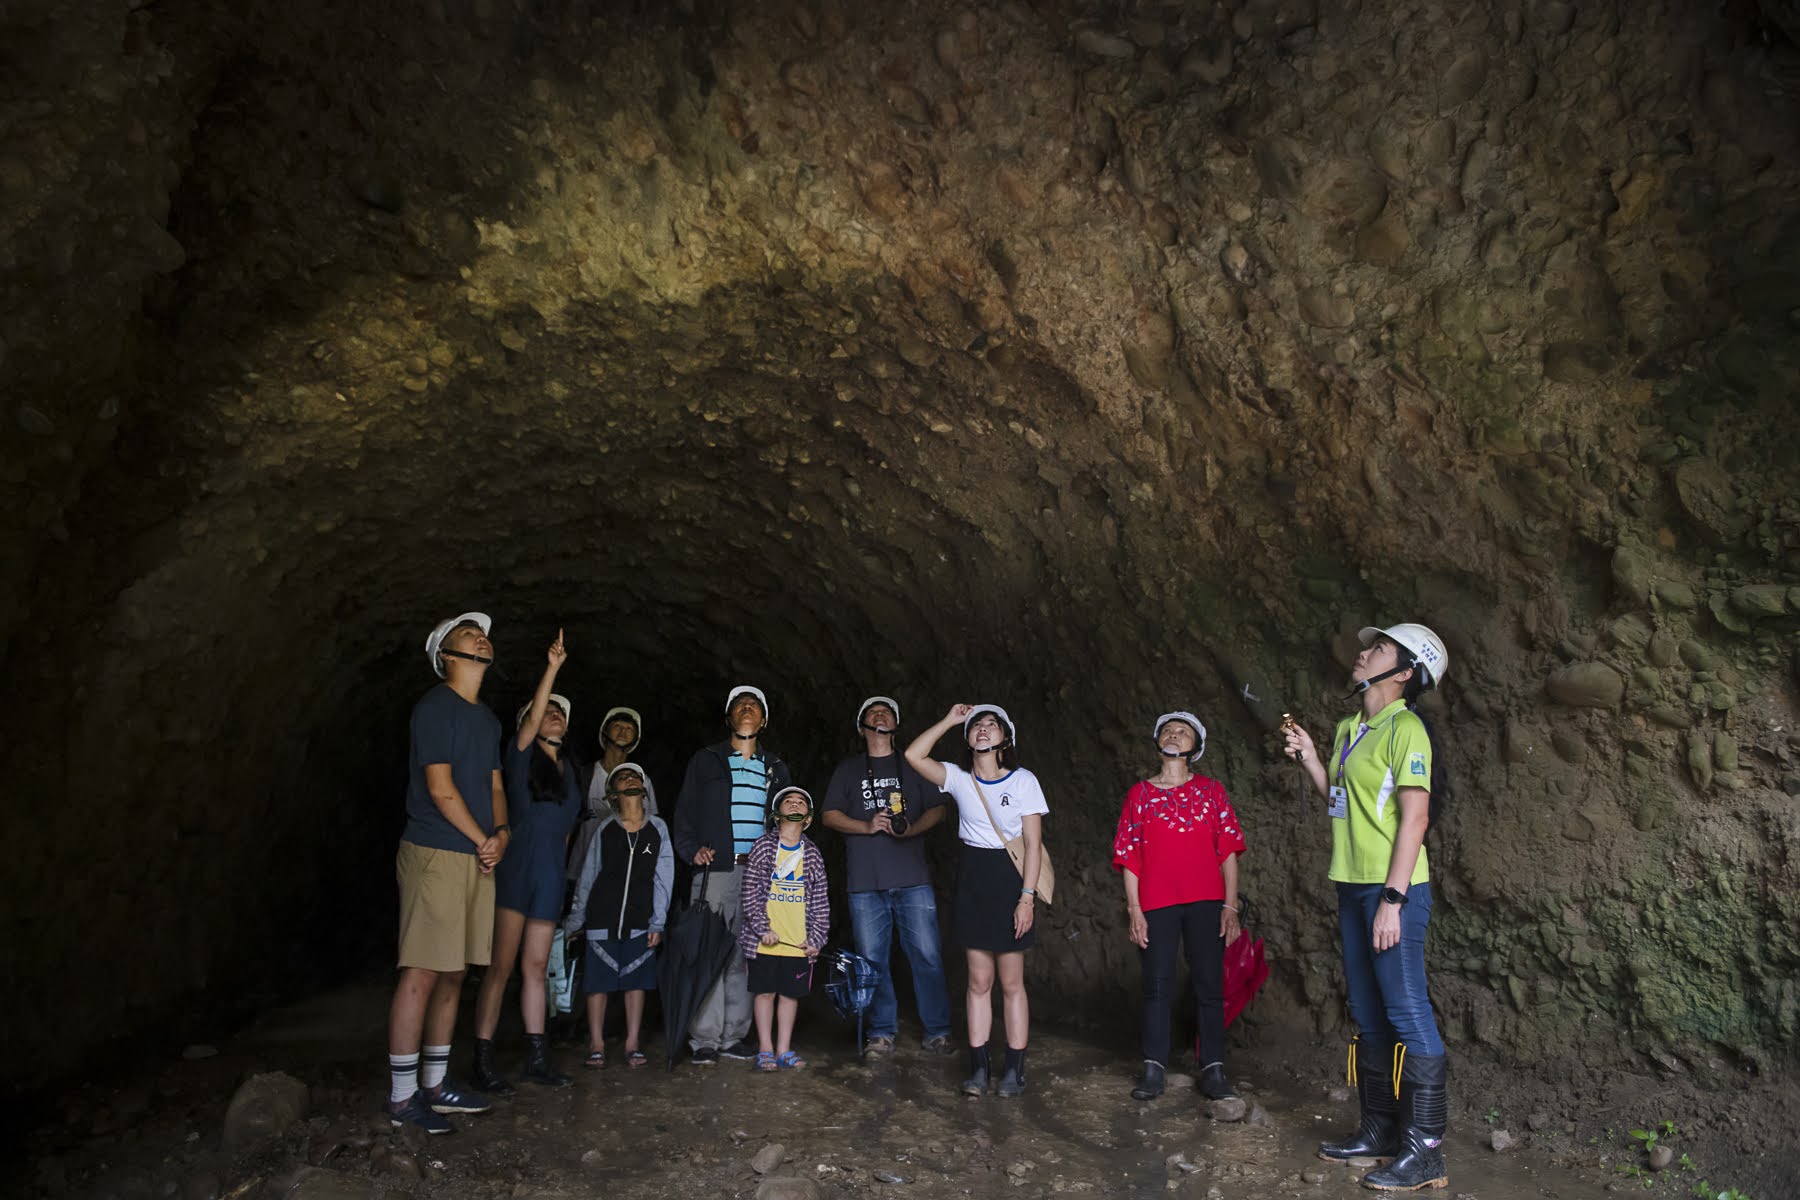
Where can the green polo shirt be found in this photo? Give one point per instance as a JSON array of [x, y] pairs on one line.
[[1390, 752]]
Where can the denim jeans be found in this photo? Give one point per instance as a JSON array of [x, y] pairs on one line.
[[873, 917], [1388, 1001]]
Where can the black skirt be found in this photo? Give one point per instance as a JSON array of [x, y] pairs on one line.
[[987, 892]]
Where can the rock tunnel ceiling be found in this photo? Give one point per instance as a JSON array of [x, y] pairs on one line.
[[1089, 357]]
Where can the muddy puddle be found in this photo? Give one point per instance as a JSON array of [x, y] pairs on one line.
[[896, 1128]]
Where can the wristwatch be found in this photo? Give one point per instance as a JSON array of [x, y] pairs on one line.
[[1393, 896]]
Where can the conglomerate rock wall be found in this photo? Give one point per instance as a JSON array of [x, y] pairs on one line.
[[1099, 359]]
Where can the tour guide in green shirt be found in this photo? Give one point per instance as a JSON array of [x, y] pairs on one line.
[[1375, 778]]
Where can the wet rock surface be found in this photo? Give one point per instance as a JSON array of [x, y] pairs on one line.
[[1087, 360]]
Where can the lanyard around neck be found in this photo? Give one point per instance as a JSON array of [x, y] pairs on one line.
[[1349, 745]]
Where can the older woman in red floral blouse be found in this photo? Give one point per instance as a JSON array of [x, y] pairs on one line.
[[1177, 847]]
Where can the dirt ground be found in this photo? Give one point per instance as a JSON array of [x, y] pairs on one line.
[[842, 1127]]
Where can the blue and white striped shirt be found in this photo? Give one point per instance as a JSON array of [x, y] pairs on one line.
[[749, 801]]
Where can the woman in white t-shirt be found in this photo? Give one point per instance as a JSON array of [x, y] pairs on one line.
[[995, 901]]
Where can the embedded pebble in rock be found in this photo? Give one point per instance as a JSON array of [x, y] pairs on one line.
[[1499, 1140], [1760, 600], [1586, 685], [1675, 594], [1104, 45], [1660, 1157], [768, 1158]]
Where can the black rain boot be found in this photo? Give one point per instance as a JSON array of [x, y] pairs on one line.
[[1214, 1085], [1012, 1080], [1152, 1084], [1377, 1134], [537, 1064], [977, 1082], [1425, 1103], [481, 1070]]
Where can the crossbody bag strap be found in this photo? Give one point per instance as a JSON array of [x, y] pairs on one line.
[[982, 792]]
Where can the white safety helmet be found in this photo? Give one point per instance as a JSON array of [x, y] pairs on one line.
[[790, 790], [1426, 648], [628, 766], [436, 640], [1186, 718], [871, 702], [561, 702], [630, 714], [744, 689], [1012, 734]]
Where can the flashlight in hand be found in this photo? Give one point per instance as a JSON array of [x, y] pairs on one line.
[[1288, 726]]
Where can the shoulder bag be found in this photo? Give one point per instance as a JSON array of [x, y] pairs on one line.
[[1015, 850]]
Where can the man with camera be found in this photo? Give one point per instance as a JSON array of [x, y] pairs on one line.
[[882, 807]]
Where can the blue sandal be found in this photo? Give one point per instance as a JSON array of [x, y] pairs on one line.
[[765, 1060], [789, 1061]]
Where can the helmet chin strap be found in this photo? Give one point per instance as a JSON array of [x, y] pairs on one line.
[[550, 741], [873, 728], [475, 658], [1358, 688], [1173, 753]]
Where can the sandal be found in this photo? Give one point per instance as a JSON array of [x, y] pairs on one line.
[[635, 1059], [765, 1060], [789, 1061], [595, 1059]]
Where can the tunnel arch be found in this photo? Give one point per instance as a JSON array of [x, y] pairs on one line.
[[985, 352]]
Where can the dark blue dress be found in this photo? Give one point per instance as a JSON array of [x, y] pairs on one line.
[[530, 879]]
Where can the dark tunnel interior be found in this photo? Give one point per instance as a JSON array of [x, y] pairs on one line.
[[1097, 359]]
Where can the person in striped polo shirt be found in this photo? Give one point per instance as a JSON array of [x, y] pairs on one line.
[[721, 810]]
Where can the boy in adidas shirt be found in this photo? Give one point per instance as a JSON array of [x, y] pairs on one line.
[[786, 917]]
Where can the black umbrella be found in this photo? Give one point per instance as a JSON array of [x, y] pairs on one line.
[[697, 944]]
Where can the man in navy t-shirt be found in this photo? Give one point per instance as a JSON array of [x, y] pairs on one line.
[[455, 834]]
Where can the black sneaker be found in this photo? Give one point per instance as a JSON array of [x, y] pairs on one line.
[[706, 1056], [741, 1050], [414, 1111], [447, 1098]]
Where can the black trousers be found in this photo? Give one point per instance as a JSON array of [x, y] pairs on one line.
[[1197, 925]]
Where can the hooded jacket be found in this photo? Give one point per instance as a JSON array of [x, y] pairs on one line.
[[703, 806], [598, 810]]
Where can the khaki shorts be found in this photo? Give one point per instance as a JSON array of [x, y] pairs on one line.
[[446, 909]]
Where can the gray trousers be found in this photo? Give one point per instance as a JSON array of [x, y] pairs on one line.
[[724, 1016]]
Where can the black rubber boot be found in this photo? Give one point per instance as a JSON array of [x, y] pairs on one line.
[[537, 1064], [1152, 1084], [1377, 1134], [1012, 1080], [1425, 1105], [1214, 1085], [482, 1070], [977, 1082]]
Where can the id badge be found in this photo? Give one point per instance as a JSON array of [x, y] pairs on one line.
[[1340, 804]]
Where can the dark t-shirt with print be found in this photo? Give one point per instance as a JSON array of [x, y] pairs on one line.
[[860, 787], [448, 729]]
